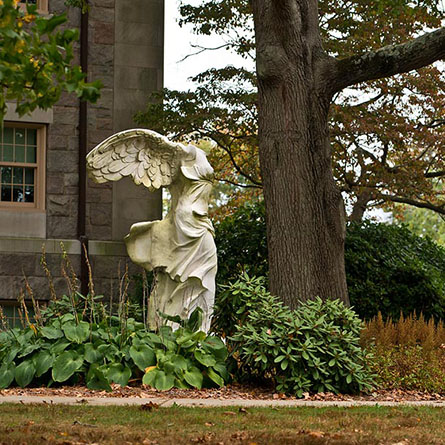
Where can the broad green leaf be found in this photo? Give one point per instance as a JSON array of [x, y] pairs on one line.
[[186, 340], [163, 381], [59, 346], [96, 378], [77, 333], [151, 338], [221, 369], [66, 365], [213, 343], [179, 362], [27, 350], [204, 359], [179, 383], [150, 377], [66, 318], [92, 355], [159, 379], [194, 377], [118, 373], [195, 321], [10, 356], [215, 377], [24, 373], [143, 356], [110, 351], [172, 318], [6, 374], [43, 360], [216, 347], [51, 332]]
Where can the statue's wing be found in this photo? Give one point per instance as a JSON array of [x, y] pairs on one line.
[[146, 156]]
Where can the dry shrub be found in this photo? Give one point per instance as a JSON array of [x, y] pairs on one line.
[[409, 331], [408, 354]]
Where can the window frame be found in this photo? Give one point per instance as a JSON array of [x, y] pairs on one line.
[[16, 305], [42, 6], [40, 167]]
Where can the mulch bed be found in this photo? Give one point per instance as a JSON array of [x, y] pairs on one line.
[[234, 391]]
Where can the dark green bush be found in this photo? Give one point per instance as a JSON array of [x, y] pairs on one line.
[[241, 243], [313, 349], [75, 339], [388, 268], [391, 270]]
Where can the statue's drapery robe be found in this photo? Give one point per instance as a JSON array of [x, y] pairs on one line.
[[181, 250]]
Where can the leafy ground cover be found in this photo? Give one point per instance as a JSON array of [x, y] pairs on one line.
[[69, 425], [76, 339]]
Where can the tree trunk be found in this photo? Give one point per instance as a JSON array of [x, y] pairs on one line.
[[304, 209], [360, 206]]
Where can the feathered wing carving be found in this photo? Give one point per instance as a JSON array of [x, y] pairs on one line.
[[146, 156]]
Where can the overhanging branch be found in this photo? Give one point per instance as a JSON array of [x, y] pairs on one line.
[[440, 209], [437, 174], [390, 60]]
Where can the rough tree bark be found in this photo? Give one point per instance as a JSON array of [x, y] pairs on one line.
[[360, 206], [296, 81]]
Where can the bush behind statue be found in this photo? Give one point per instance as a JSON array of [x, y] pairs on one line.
[[388, 268], [315, 348]]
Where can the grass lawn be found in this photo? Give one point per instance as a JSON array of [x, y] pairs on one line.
[[68, 425]]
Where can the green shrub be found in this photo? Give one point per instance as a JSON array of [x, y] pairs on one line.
[[241, 243], [388, 268], [391, 270], [315, 348], [75, 339]]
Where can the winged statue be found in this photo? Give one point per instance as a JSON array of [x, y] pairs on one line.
[[180, 249]]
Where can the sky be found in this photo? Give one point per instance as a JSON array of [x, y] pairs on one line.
[[178, 44]]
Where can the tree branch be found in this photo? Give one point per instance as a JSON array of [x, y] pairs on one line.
[[423, 205], [390, 60], [232, 158], [437, 174], [237, 184]]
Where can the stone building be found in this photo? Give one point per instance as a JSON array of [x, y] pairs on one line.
[[45, 198]]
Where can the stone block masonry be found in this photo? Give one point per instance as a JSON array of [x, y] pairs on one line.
[[109, 263], [125, 52]]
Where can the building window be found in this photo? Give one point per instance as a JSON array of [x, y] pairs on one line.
[[22, 160], [42, 5], [12, 314]]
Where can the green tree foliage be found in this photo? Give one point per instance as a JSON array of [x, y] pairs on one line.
[[36, 60], [388, 268], [388, 134], [423, 222]]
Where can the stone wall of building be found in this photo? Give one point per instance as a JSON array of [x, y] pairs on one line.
[[62, 178], [126, 54], [21, 261]]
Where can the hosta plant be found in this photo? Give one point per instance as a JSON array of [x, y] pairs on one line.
[[75, 340]]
